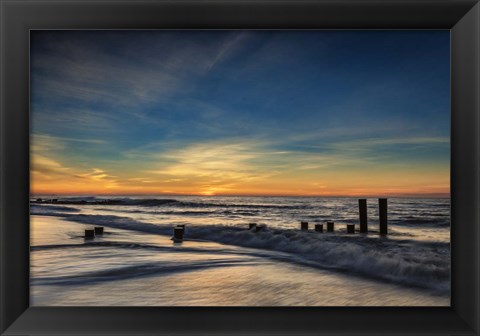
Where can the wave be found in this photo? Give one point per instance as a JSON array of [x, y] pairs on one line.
[[180, 208], [408, 262], [47, 209], [126, 272], [155, 202], [416, 221], [187, 212]]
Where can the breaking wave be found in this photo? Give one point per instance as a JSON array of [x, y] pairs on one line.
[[155, 202], [408, 262]]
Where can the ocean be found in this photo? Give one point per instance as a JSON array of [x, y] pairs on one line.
[[223, 263]]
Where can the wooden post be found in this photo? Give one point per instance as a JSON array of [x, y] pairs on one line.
[[350, 228], [260, 227], [178, 233], [362, 208], [383, 214], [251, 225], [304, 226], [98, 230], [319, 227], [89, 233], [330, 227]]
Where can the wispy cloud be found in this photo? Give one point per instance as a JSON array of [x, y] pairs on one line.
[[239, 111]]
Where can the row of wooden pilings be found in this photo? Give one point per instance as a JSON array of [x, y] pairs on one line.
[[362, 210], [179, 230]]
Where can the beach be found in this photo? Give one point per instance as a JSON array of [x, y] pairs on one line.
[[222, 263]]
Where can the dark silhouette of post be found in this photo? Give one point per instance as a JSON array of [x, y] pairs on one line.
[[89, 233], [251, 225], [98, 230], [362, 209], [178, 233], [350, 228], [330, 226], [261, 227], [382, 212], [304, 226], [319, 227]]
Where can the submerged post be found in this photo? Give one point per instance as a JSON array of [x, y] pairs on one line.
[[350, 228], [362, 208], [251, 225], [330, 227], [383, 214], [319, 227], [98, 230], [304, 226], [260, 227], [89, 233]]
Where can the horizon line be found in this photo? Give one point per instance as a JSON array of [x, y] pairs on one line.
[[432, 195]]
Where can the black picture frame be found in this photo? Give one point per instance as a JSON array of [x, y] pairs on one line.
[[18, 17]]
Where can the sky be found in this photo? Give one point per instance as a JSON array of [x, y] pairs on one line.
[[212, 112]]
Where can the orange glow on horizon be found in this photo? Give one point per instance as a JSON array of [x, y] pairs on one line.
[[243, 169]]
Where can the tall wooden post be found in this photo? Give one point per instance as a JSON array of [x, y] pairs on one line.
[[362, 209], [330, 227], [383, 214], [304, 226]]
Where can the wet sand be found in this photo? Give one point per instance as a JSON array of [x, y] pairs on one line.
[[128, 268]]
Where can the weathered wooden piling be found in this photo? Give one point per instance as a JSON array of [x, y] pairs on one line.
[[319, 227], [350, 228], [383, 214], [98, 230], [89, 233], [304, 226], [362, 209], [178, 232], [252, 225], [330, 226]]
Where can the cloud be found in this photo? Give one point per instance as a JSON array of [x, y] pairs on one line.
[[374, 142], [229, 46], [51, 167]]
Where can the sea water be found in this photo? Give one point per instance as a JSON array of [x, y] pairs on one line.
[[223, 263]]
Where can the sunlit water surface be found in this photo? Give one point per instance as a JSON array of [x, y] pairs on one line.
[[222, 263]]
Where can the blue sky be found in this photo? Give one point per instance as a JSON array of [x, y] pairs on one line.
[[241, 112]]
